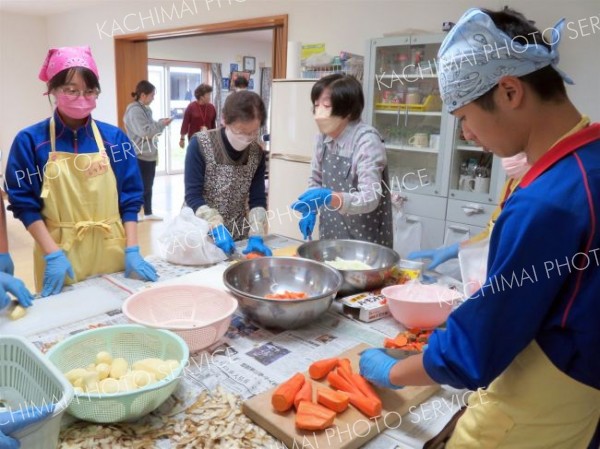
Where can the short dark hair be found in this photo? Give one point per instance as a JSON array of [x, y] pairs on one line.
[[545, 82], [347, 98], [241, 82], [143, 87], [65, 76], [244, 106], [202, 90]]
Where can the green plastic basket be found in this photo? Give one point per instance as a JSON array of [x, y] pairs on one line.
[[27, 379], [133, 343]]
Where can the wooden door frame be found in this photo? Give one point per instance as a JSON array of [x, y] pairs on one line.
[[132, 47]]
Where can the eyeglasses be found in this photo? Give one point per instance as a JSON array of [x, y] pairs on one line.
[[76, 93], [252, 135]]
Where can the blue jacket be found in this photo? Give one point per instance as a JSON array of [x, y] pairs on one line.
[[29, 154], [544, 277]]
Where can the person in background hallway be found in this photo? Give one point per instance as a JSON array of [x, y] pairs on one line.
[[225, 175], [200, 115], [74, 182], [240, 83], [144, 131], [533, 345], [349, 169]]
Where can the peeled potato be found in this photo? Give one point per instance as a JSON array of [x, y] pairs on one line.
[[109, 386], [103, 370], [90, 381], [143, 378], [75, 374], [118, 368], [104, 357], [17, 312]]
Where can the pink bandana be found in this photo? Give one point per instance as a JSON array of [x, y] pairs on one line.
[[59, 59]]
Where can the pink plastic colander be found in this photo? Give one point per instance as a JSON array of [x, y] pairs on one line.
[[200, 315]]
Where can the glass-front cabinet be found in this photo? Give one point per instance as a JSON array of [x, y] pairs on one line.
[[447, 186]]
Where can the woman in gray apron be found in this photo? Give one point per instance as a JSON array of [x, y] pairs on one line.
[[349, 180]]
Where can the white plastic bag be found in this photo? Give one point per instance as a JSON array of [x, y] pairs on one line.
[[407, 233], [473, 260], [186, 242]]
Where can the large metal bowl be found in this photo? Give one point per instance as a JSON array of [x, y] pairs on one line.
[[381, 258], [250, 280]]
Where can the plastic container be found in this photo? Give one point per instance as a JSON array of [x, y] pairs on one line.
[[28, 379], [133, 343], [200, 315]]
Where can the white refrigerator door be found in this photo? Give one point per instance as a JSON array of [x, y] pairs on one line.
[[293, 129], [288, 179]]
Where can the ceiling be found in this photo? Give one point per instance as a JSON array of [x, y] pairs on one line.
[[48, 7]]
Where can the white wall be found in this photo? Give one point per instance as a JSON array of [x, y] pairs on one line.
[[226, 49], [22, 50], [341, 24]]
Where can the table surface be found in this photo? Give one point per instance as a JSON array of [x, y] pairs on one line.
[[249, 360]]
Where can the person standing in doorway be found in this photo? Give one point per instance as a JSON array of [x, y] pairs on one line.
[[200, 115], [143, 131]]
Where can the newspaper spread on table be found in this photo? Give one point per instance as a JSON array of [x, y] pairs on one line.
[[250, 360]]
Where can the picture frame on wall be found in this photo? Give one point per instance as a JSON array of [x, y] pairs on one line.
[[233, 67], [249, 64], [225, 83]]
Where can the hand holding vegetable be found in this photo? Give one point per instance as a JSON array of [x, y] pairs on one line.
[[376, 365]]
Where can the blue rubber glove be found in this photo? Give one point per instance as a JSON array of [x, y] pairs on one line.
[[135, 263], [6, 264], [14, 420], [437, 256], [57, 267], [256, 244], [307, 225], [223, 239], [375, 366], [312, 200], [15, 286]]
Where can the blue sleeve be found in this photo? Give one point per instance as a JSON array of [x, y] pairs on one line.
[[491, 328], [258, 196], [194, 175], [127, 173], [24, 180]]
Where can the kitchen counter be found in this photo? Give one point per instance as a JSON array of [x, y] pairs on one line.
[[247, 361]]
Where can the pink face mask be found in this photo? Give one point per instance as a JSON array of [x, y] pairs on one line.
[[77, 108], [516, 166]]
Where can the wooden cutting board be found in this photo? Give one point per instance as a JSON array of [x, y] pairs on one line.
[[351, 428], [286, 251]]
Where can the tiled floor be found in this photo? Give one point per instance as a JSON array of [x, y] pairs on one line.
[[168, 198]]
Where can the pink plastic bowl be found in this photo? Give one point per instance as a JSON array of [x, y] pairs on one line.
[[199, 315], [420, 306]]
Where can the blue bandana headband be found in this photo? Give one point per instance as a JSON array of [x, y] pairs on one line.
[[476, 55]]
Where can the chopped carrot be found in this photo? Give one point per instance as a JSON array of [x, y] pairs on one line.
[[365, 387], [333, 400], [304, 394], [287, 295], [339, 383], [320, 368], [366, 406], [253, 255], [346, 365], [411, 340], [283, 397], [313, 416]]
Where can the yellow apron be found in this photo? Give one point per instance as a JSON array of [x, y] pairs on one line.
[[81, 212], [532, 404]]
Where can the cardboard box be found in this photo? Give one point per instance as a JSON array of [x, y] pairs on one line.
[[367, 307]]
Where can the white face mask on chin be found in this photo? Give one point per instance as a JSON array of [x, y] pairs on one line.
[[325, 121], [238, 142]]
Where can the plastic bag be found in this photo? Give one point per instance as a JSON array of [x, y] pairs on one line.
[[473, 260], [407, 232], [186, 241]]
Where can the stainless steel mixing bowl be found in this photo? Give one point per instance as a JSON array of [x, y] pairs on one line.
[[379, 257], [250, 280]]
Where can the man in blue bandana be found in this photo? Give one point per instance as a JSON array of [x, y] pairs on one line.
[[531, 334]]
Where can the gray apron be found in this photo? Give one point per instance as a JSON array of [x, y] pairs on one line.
[[375, 227], [227, 182]]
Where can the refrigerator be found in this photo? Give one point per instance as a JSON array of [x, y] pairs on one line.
[[293, 136]]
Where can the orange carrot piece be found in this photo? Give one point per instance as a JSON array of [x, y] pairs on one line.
[[313, 416], [320, 368], [334, 400], [346, 365], [365, 405], [283, 397], [339, 383], [253, 255], [365, 387], [305, 394]]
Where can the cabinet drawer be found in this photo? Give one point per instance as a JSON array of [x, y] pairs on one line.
[[424, 205], [470, 213], [459, 232]]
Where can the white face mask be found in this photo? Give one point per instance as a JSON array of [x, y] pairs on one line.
[[516, 166], [239, 142], [325, 121]]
